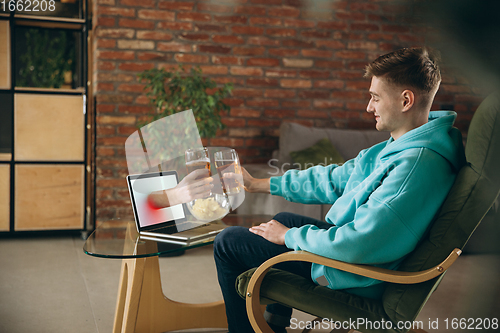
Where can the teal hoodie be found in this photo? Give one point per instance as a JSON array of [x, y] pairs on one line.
[[383, 201]]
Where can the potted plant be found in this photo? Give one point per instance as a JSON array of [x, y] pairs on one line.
[[177, 90]]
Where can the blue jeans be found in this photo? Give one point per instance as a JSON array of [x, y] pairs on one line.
[[236, 250]]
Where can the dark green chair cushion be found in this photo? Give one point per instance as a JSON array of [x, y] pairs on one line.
[[476, 188], [321, 153]]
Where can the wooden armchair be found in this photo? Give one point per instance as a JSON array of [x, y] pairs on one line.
[[476, 188]]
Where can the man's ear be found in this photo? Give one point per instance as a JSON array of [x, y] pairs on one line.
[[408, 99]]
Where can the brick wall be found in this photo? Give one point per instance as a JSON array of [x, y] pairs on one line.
[[289, 60]]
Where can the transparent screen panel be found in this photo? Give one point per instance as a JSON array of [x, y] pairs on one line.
[[174, 178]]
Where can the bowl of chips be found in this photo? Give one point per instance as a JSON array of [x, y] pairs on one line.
[[209, 209]]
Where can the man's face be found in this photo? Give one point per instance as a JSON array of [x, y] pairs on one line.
[[386, 104]]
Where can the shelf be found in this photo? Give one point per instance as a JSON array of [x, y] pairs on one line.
[[80, 90], [5, 157]]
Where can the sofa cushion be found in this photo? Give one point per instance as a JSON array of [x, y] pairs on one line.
[[295, 137], [321, 153]]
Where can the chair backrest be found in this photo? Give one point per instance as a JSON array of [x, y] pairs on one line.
[[474, 191]]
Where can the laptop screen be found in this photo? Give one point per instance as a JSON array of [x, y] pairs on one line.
[[146, 216]]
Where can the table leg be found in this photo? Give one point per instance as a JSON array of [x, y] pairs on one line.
[[142, 306]]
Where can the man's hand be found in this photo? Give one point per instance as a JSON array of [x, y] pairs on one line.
[[250, 183], [273, 231]]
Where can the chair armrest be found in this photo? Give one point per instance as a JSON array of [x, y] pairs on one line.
[[387, 275]]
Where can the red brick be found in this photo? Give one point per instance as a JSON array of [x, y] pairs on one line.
[[114, 77], [248, 51], [333, 25], [303, 63], [314, 74], [115, 11], [260, 142], [350, 16], [155, 14], [234, 102], [279, 113], [106, 43], [263, 41], [115, 33], [299, 23], [281, 32], [176, 5], [260, 102], [364, 26], [106, 21], [247, 92], [214, 70], [174, 47], [316, 34], [411, 38], [134, 23], [194, 17], [191, 58], [295, 83], [329, 84], [108, 98], [265, 21], [135, 66], [372, 7], [356, 106], [251, 71], [279, 93], [234, 122], [227, 60], [242, 112], [155, 35], [106, 65], [225, 39], [266, 2], [211, 27], [344, 114], [142, 100], [356, 65], [135, 109], [298, 43], [105, 86], [209, 7], [281, 72], [115, 120], [395, 28], [283, 11], [350, 54], [135, 44], [362, 45], [359, 95], [250, 10], [244, 132], [317, 53], [283, 52], [214, 49], [316, 15], [312, 114], [246, 30], [131, 87], [263, 62], [327, 104], [330, 44], [358, 85], [296, 104], [295, 3], [227, 142], [231, 19], [194, 36], [314, 94], [157, 56], [380, 36], [175, 25], [138, 3], [118, 55], [262, 82]]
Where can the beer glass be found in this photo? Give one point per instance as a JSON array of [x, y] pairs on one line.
[[227, 161], [197, 158]]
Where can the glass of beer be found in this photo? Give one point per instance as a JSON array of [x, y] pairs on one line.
[[227, 162], [197, 158]]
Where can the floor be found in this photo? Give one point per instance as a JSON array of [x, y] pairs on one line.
[[50, 285]]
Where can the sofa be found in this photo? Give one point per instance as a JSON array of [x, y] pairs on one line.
[[293, 138]]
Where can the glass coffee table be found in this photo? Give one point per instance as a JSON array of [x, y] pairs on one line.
[[141, 304]]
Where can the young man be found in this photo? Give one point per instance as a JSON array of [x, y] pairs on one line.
[[383, 200]]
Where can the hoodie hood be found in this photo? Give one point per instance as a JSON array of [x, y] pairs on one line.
[[438, 135]]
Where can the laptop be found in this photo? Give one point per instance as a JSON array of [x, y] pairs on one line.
[[170, 224]]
